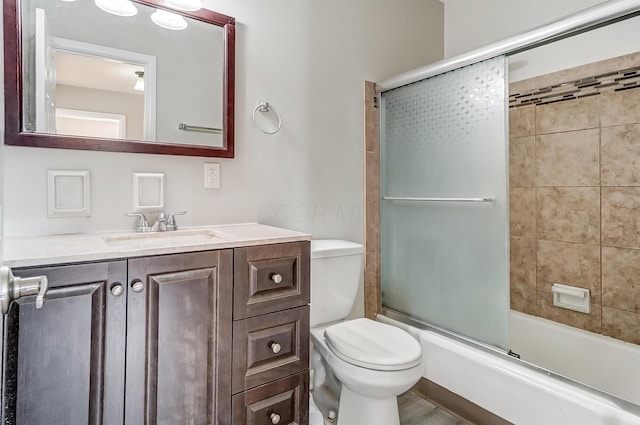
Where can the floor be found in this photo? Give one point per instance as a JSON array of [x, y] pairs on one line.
[[414, 410]]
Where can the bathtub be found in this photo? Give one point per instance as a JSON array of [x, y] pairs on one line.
[[538, 340], [518, 392]]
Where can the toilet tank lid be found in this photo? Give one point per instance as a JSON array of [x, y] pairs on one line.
[[321, 248]]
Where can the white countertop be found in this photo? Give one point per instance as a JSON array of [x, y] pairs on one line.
[[74, 248]]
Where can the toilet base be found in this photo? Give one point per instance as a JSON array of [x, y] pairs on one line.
[[357, 409]]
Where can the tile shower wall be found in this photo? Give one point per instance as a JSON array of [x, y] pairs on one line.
[[372, 286], [575, 194]]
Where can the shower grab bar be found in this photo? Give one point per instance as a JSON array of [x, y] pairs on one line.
[[187, 127], [408, 198]]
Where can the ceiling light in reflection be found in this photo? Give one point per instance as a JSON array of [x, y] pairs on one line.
[[117, 7], [168, 20], [139, 86], [189, 5]]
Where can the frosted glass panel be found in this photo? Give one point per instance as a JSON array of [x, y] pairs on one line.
[[446, 262]]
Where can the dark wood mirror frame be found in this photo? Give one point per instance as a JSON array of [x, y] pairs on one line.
[[14, 135]]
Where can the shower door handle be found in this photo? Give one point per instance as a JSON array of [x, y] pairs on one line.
[[12, 288]]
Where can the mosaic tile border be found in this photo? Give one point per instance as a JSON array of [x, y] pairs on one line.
[[626, 79]]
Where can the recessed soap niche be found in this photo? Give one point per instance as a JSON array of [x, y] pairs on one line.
[[69, 193], [571, 297], [148, 192]]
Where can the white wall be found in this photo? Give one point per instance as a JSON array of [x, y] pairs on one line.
[[469, 24], [603, 43], [309, 59], [472, 24]]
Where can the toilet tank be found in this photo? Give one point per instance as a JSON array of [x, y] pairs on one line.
[[336, 268]]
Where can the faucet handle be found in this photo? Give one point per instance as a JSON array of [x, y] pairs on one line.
[[143, 224], [171, 221]]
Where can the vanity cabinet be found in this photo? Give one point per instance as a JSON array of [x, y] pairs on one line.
[[153, 341]]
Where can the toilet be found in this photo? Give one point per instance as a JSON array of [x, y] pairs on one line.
[[360, 366]]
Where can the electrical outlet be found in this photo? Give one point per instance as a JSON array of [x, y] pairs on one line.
[[211, 175]]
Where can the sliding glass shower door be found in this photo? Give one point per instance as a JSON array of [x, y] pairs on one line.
[[444, 208]]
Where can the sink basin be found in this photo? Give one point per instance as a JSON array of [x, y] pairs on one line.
[[160, 239]]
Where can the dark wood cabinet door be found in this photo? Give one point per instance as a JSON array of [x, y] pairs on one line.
[[178, 339], [64, 363]]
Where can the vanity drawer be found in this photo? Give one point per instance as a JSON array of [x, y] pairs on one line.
[[288, 398], [269, 347], [269, 278]]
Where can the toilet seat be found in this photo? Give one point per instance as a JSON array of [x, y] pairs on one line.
[[373, 345]]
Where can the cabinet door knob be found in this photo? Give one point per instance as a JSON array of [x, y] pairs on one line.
[[117, 289], [276, 278], [137, 286], [275, 347], [275, 418]]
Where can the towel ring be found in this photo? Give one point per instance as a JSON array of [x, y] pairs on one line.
[[265, 107]]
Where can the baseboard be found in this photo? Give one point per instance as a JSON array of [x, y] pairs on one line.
[[457, 405]]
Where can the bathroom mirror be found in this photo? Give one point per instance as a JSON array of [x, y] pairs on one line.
[[140, 76]]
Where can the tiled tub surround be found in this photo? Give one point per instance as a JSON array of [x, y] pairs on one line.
[[575, 196]]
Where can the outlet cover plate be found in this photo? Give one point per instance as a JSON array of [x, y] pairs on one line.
[[211, 175]]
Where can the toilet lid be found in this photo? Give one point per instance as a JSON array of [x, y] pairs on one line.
[[373, 345]]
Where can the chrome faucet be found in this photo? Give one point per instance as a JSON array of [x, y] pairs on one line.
[[162, 223]]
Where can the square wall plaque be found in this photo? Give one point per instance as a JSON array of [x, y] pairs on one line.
[[148, 192], [69, 193]]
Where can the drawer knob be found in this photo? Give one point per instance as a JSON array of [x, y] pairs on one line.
[[137, 286], [275, 418], [117, 290], [275, 347], [276, 278]]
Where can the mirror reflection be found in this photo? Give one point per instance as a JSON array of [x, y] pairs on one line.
[[121, 70]]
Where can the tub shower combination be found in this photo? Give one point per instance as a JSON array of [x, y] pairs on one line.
[[444, 228]]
